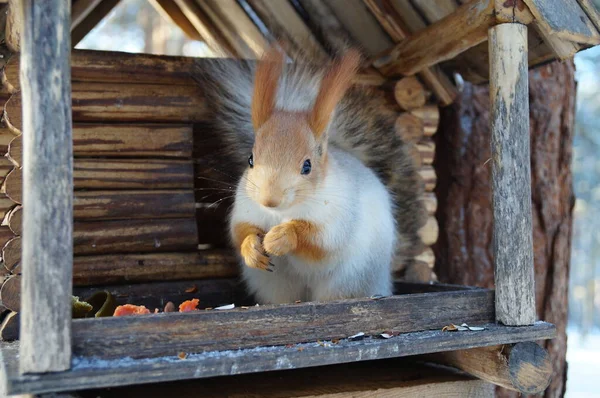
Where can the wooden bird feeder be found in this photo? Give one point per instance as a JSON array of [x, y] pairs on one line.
[[107, 178]]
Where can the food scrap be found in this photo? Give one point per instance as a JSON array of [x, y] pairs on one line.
[[462, 328], [130, 309], [388, 334], [192, 289], [189, 305], [170, 307], [357, 336], [182, 355], [226, 307]]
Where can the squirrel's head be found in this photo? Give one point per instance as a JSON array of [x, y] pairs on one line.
[[289, 157]]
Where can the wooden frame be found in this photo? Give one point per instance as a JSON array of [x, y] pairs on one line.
[[117, 351]]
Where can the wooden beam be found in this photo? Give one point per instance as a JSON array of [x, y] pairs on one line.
[[392, 378], [170, 10], [122, 140], [157, 267], [91, 373], [14, 25], [125, 68], [92, 19], [392, 23], [443, 40], [80, 9], [108, 174], [563, 49], [233, 23], [47, 187], [133, 103], [525, 367], [565, 19], [287, 26], [362, 26], [110, 338], [511, 176], [592, 12], [512, 12]]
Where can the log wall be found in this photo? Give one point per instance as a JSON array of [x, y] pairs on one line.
[[150, 197]]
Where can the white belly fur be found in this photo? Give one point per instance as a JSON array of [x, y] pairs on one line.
[[354, 211]]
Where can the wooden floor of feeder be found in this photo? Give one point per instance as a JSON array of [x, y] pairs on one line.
[[111, 352]]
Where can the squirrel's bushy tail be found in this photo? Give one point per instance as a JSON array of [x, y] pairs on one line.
[[361, 125]]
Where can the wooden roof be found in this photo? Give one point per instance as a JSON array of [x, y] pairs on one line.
[[399, 37]]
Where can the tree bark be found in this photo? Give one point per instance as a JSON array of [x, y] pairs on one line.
[[464, 248]]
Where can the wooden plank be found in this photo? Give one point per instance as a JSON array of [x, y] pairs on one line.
[[9, 330], [525, 367], [140, 268], [131, 236], [429, 232], [92, 19], [563, 49], [443, 40], [592, 11], [125, 103], [212, 35], [565, 19], [391, 378], [48, 187], [14, 25], [14, 220], [90, 373], [122, 205], [172, 11], [11, 254], [513, 11], [364, 28], [410, 93], [103, 174], [123, 140], [5, 206], [428, 177], [117, 67], [125, 68], [288, 27], [240, 328], [233, 23], [325, 25], [409, 15], [80, 9], [511, 176], [120, 236], [10, 293]]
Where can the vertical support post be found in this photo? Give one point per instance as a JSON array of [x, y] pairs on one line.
[[47, 259], [511, 175]]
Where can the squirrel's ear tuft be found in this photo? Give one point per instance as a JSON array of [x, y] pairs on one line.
[[333, 87], [266, 79]]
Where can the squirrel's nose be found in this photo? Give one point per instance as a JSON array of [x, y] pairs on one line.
[[270, 202]]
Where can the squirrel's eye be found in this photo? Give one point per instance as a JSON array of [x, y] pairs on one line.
[[251, 161], [306, 167]]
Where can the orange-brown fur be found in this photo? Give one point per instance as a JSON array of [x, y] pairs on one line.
[[247, 238], [333, 87], [297, 237], [265, 87]]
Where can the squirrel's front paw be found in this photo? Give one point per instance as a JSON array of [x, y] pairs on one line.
[[280, 240], [254, 254]]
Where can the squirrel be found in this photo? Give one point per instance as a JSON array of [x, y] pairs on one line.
[[328, 196]]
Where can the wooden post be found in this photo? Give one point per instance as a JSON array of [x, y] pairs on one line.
[[511, 175], [47, 187]]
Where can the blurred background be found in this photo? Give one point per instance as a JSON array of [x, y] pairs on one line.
[[142, 29]]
